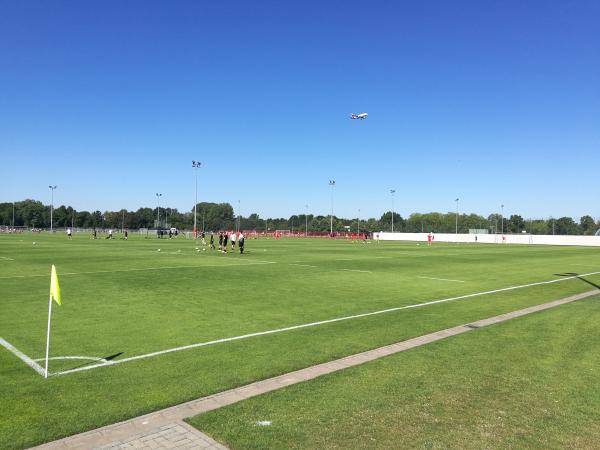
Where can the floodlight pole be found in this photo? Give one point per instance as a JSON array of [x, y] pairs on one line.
[[331, 184], [238, 217], [196, 165], [51, 205], [392, 191], [158, 196], [358, 222], [305, 219], [502, 217], [123, 222], [13, 221], [456, 215]]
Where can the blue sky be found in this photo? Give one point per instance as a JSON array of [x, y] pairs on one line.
[[494, 102]]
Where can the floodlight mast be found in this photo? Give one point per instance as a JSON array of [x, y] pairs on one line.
[[502, 217], [331, 184], [392, 191], [196, 165], [305, 219], [51, 206], [158, 196], [456, 215]]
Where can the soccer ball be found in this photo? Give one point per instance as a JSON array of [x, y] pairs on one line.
[[159, 249], [34, 243]]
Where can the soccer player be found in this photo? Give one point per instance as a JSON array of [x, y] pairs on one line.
[[69, 233], [225, 242], [429, 239], [212, 240], [241, 243], [220, 241], [233, 240]]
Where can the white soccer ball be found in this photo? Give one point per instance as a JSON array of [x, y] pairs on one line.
[[159, 249], [34, 243]]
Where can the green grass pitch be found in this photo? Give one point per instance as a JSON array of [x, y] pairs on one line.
[[124, 299]]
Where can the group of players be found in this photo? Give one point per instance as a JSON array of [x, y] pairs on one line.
[[224, 237]]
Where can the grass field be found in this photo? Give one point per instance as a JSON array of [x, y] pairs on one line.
[[531, 383], [125, 299]]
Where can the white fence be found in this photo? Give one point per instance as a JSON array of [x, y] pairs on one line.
[[535, 239]]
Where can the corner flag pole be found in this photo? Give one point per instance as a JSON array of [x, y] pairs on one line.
[[48, 335], [54, 295]]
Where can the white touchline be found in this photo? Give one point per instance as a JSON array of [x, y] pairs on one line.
[[259, 263], [442, 279], [356, 270], [5, 258], [312, 324], [300, 265], [30, 362]]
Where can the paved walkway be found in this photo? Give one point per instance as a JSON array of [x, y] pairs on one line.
[[166, 429]]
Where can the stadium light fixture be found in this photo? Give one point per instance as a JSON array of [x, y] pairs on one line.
[[331, 184], [196, 165], [51, 205], [456, 215], [158, 196], [392, 191]]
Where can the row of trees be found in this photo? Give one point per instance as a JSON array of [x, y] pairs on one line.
[[220, 216]]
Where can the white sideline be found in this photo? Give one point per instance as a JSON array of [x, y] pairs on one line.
[[312, 324], [145, 268], [356, 270], [442, 279], [30, 362]]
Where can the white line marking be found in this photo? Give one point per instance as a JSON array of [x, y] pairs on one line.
[[30, 362], [356, 270], [584, 265], [5, 258], [344, 259], [259, 263], [321, 322], [91, 358], [442, 279], [301, 265]]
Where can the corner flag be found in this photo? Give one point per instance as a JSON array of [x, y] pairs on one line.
[[54, 295], [54, 287]]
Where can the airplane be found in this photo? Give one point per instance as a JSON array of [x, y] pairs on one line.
[[361, 116]]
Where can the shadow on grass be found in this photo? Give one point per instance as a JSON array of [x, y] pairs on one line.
[[576, 275]]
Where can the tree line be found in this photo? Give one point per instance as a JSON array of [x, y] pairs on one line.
[[220, 216]]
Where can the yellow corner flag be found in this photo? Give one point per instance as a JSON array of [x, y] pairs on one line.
[[54, 287]]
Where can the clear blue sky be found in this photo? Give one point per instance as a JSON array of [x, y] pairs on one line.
[[489, 101]]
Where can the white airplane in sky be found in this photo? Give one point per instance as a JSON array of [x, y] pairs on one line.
[[361, 116]]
